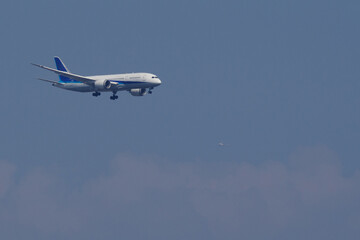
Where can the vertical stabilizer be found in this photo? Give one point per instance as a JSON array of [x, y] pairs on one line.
[[61, 66]]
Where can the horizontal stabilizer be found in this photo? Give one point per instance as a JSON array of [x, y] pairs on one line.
[[50, 81]]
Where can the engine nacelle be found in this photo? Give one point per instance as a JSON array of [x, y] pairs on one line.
[[102, 84], [138, 91]]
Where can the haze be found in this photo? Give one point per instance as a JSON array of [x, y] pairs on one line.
[[276, 81]]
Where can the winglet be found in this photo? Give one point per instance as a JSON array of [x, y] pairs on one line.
[[70, 76], [37, 65]]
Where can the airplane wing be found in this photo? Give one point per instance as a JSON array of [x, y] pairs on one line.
[[79, 78]]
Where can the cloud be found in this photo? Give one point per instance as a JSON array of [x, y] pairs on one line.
[[149, 198]]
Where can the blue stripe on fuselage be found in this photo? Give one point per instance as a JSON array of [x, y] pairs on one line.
[[125, 82], [120, 82]]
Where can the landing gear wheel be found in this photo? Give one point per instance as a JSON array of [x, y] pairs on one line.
[[113, 97], [150, 92], [95, 94]]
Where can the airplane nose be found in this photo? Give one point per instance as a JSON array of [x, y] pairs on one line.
[[156, 81]]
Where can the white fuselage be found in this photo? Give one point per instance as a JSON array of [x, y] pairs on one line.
[[126, 81]]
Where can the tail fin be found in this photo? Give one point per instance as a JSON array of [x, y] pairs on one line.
[[61, 66]]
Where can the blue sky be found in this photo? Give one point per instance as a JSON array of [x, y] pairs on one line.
[[276, 81]]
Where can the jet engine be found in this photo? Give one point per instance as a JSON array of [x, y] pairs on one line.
[[138, 91], [102, 85]]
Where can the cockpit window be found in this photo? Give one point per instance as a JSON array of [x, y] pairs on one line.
[[154, 77]]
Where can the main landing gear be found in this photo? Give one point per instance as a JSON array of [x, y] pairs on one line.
[[96, 94], [114, 96]]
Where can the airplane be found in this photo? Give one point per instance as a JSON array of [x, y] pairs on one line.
[[138, 84]]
